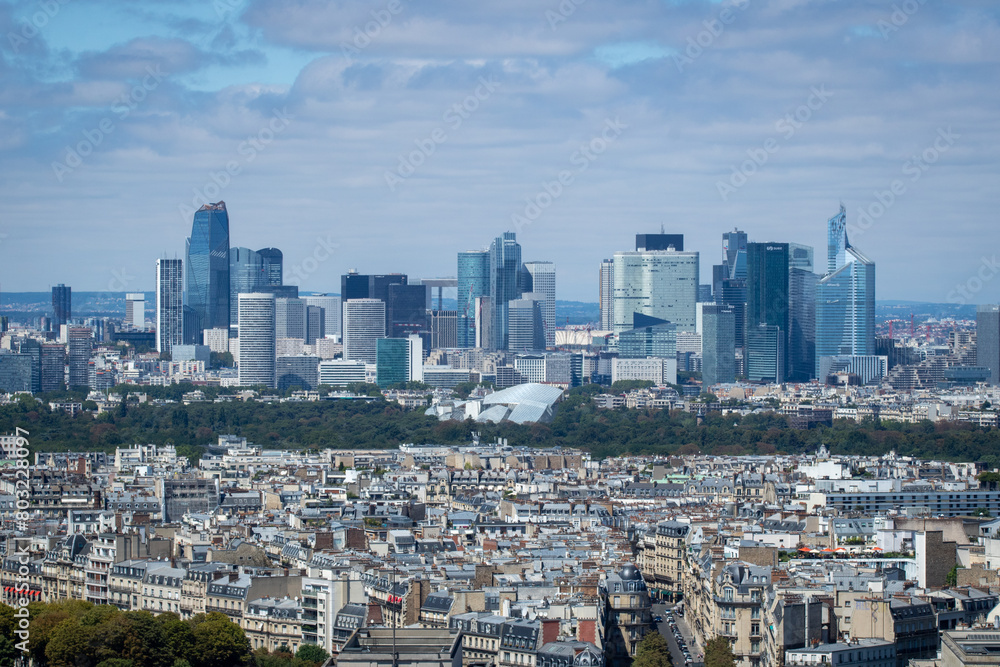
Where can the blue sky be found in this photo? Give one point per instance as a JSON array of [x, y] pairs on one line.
[[387, 135]]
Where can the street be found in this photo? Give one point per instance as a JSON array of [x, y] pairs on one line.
[[663, 627]]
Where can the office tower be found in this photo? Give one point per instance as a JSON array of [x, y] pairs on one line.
[[767, 294], [606, 292], [331, 311], [845, 297], [542, 279], [483, 322], [705, 294], [29, 352], [734, 294], [257, 345], [315, 324], [289, 318], [169, 304], [364, 324], [526, 323], [80, 343], [62, 305], [217, 340], [734, 261], [246, 275], [271, 266], [16, 371], [718, 345], [444, 329], [207, 286], [53, 367], [505, 265], [473, 282], [406, 310], [765, 353], [399, 360], [988, 340], [801, 313], [340, 372], [648, 337], [135, 309], [299, 372], [659, 242], [658, 283]]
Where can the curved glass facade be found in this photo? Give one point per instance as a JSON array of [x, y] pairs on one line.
[[208, 268]]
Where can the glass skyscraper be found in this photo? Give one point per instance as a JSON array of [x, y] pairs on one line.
[[208, 269], [658, 283], [988, 340], [257, 341], [505, 266], [62, 305], [473, 282], [767, 293], [718, 345], [272, 266], [542, 276], [845, 297], [246, 274], [801, 313], [169, 304]]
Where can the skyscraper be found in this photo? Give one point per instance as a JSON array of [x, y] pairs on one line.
[[659, 241], [315, 323], [765, 353], [988, 340], [406, 310], [272, 266], [53, 367], [62, 305], [526, 323], [208, 268], [845, 297], [169, 304], [607, 288], [658, 283], [290, 318], [398, 360], [505, 265], [135, 309], [718, 345], [331, 311], [80, 344], [246, 274], [257, 340], [767, 294], [473, 282], [542, 276], [734, 261], [364, 324], [801, 313]]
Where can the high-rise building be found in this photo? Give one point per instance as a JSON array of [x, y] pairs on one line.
[[444, 329], [315, 324], [399, 360], [765, 353], [246, 275], [331, 311], [607, 289], [718, 345], [80, 341], [135, 309], [300, 371], [767, 294], [406, 310], [473, 282], [648, 337], [988, 340], [734, 261], [364, 324], [660, 241], [845, 297], [801, 313], [257, 344], [290, 318], [62, 305], [271, 266], [341, 372], [169, 304], [207, 286], [542, 278], [526, 323], [505, 266], [483, 308], [658, 283], [53, 367]]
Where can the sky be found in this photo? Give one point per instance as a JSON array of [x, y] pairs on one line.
[[387, 135]]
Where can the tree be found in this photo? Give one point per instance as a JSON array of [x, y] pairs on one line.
[[219, 641], [312, 653], [951, 579], [719, 653], [652, 652]]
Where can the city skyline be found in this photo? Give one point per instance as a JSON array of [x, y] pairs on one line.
[[788, 109]]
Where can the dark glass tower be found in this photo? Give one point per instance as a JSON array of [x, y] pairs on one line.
[[246, 274], [767, 292], [473, 282], [505, 267], [272, 266], [62, 305], [208, 268]]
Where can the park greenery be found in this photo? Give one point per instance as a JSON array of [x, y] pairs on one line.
[[719, 653], [376, 423], [80, 634], [652, 652]]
